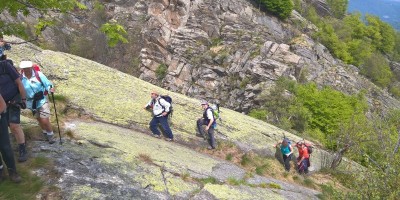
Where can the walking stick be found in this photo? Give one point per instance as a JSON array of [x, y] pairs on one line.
[[55, 110]]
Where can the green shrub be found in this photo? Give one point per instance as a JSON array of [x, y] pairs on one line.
[[245, 160], [229, 157], [377, 69], [259, 114], [161, 71], [279, 8]]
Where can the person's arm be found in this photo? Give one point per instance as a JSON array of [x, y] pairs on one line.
[[21, 89], [148, 104], [278, 143], [291, 149], [46, 82], [211, 117], [3, 105]]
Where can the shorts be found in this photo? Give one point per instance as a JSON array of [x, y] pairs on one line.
[[13, 114], [43, 111]]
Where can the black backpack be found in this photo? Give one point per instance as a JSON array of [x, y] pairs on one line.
[[169, 100]]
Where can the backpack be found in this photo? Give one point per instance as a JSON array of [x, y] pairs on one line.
[[309, 148], [215, 111], [36, 70], [169, 100]]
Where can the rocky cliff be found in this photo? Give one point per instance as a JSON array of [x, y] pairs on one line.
[[231, 51], [224, 51], [111, 154]]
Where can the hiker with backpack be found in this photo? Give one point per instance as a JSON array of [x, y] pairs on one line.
[[287, 152], [5, 146], [14, 95], [161, 110], [303, 161], [208, 119], [37, 86]]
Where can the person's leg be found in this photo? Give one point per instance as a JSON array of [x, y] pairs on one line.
[[211, 137], [13, 114], [6, 150], [165, 126], [43, 117], [154, 126], [286, 160], [200, 123]]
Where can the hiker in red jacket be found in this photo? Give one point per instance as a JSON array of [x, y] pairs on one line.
[[303, 161]]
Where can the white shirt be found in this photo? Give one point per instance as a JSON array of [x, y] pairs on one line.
[[209, 114], [160, 106]]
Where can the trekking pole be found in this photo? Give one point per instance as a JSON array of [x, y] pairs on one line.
[[55, 110]]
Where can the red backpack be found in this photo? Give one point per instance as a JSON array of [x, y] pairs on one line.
[[36, 70]]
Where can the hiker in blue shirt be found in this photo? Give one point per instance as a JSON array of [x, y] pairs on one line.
[[287, 152], [36, 86], [3, 46]]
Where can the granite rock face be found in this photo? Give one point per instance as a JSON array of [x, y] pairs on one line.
[[227, 52]]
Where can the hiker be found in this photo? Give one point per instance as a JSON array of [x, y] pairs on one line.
[[5, 146], [3, 46], [287, 152], [161, 108], [303, 161], [14, 95], [208, 119], [36, 85]]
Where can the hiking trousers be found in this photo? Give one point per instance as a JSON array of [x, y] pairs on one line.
[[5, 145], [211, 139], [164, 124], [286, 160]]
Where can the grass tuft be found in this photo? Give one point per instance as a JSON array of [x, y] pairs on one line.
[[234, 181], [207, 180]]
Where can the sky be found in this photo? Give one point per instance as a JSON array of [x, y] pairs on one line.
[[387, 10]]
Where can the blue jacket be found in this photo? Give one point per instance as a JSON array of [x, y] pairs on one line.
[[33, 85]]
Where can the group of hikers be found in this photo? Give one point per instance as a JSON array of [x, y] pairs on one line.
[[162, 108], [28, 88], [302, 161], [24, 89]]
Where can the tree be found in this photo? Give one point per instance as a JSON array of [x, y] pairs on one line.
[[280, 8], [44, 8], [338, 7], [377, 69]]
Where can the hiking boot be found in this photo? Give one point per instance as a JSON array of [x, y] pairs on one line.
[[156, 136], [51, 139], [23, 155], [210, 148], [169, 139], [14, 176], [45, 136]]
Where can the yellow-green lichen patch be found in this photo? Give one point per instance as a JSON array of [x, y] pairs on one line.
[[163, 181], [118, 98], [171, 155], [85, 193], [240, 192]]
